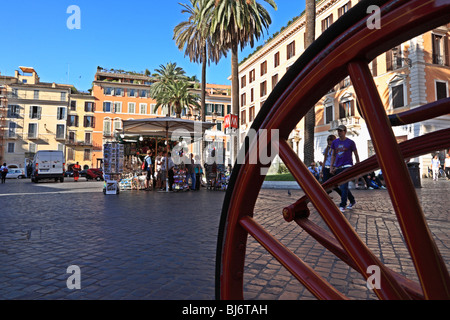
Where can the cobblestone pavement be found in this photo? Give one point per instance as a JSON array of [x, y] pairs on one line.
[[158, 246]]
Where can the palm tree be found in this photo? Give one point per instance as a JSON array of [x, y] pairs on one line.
[[310, 118], [237, 23], [163, 76], [193, 35], [177, 94]]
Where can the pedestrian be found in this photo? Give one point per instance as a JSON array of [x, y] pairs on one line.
[[170, 173], [148, 169], [76, 168], [435, 166], [158, 166], [4, 172], [447, 166], [315, 172], [198, 172], [343, 149], [190, 167], [327, 153]]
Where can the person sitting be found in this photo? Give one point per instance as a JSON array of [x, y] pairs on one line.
[[314, 170]]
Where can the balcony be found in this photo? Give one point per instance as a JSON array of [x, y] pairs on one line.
[[78, 143], [352, 123]]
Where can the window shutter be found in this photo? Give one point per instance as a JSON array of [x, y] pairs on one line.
[[446, 51], [39, 112], [389, 60]]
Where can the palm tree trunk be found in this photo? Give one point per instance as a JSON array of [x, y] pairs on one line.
[[203, 102], [235, 96], [310, 118]]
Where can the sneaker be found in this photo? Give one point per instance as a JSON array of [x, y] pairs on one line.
[[351, 205], [342, 209]]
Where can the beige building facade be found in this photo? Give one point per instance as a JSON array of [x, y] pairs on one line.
[[407, 76], [36, 116]]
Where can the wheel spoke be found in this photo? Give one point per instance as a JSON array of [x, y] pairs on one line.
[[338, 224], [429, 265], [307, 276]]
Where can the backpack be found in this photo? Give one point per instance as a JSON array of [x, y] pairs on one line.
[[144, 164], [5, 170]]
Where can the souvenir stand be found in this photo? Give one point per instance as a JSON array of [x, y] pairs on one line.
[[113, 155], [180, 178]]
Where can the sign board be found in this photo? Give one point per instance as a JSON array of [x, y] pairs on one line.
[[111, 187], [230, 121]]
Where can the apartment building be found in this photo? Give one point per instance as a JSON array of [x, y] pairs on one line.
[[80, 130], [36, 116], [407, 76]]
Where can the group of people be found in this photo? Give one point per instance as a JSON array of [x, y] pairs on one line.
[[436, 166], [160, 168]]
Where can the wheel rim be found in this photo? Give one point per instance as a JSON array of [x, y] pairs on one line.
[[322, 66]]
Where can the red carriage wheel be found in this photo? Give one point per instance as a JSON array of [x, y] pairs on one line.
[[344, 49]]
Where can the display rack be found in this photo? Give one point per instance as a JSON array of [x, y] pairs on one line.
[[113, 157]]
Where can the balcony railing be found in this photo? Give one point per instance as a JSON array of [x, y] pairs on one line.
[[75, 143], [351, 123]]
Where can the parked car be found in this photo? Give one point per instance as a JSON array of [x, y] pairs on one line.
[[68, 173], [15, 174]]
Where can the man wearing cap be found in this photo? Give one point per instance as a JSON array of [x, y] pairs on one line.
[[341, 159]]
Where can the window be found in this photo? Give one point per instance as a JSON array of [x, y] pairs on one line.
[[71, 136], [70, 154], [117, 124], [72, 121], [263, 68], [12, 130], [219, 125], [346, 109], [251, 76], [13, 111], [118, 92], [73, 105], [440, 49], [394, 59], [219, 109], [36, 94], [88, 122], [106, 106], [326, 23], [251, 95], [290, 50], [131, 107], [263, 89], [89, 106], [88, 138], [35, 112], [243, 117], [397, 96], [63, 96], [108, 91], [152, 108], [60, 131], [32, 130], [11, 147], [251, 114], [117, 107], [441, 90], [328, 113], [344, 9], [87, 154], [274, 81], [107, 127], [32, 147], [243, 81], [276, 59], [143, 93], [143, 108], [61, 113], [131, 92], [243, 100]]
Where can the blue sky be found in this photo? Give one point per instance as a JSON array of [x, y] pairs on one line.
[[130, 35]]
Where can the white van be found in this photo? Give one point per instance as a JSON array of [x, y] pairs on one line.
[[48, 164]]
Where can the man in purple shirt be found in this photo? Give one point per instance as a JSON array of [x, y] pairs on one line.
[[341, 159]]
